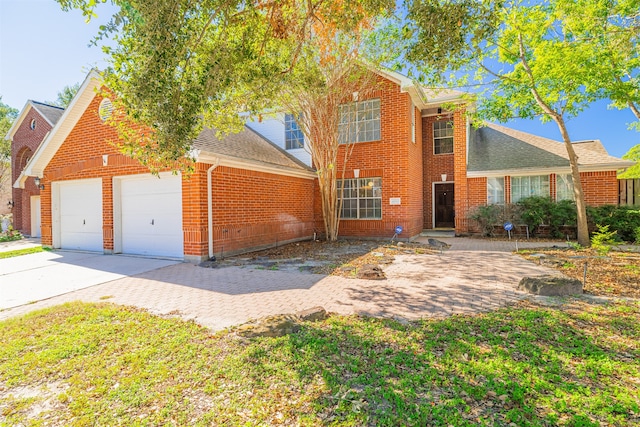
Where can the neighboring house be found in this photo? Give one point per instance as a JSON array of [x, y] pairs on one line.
[[413, 164], [26, 134]]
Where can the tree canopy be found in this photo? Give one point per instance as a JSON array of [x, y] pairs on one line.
[[546, 60], [7, 116], [179, 65], [65, 96]]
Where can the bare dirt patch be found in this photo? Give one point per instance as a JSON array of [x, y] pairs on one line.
[[342, 258], [616, 274]]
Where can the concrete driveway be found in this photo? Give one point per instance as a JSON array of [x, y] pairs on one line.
[[29, 278], [473, 276]]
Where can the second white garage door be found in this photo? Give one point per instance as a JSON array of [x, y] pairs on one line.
[[151, 210]]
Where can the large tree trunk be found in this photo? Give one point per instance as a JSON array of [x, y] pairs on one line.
[[581, 207]]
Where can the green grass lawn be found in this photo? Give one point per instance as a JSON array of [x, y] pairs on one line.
[[86, 364], [18, 252]]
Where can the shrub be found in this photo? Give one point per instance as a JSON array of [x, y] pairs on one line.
[[490, 216], [625, 220], [603, 239], [537, 210], [10, 235]]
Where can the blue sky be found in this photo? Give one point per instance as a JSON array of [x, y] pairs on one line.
[[43, 49]]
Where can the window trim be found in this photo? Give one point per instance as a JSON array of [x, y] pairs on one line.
[[446, 122], [570, 189], [511, 186], [358, 122], [359, 183], [503, 192], [288, 120]]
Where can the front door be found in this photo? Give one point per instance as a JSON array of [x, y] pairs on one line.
[[443, 194]]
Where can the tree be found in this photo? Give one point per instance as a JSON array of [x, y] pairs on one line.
[[540, 61], [65, 96], [316, 90], [7, 117], [179, 65], [634, 171]]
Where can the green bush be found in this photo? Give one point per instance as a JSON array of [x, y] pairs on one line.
[[603, 239], [625, 220], [537, 210], [489, 216]]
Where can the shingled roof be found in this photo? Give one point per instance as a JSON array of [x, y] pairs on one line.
[[247, 146], [498, 148], [49, 112]]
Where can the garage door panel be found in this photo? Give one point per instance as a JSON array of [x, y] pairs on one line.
[[81, 215], [152, 216]]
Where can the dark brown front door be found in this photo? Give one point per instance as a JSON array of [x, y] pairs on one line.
[[444, 205]]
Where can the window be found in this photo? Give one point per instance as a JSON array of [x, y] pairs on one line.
[[495, 191], [443, 137], [527, 186], [105, 109], [564, 187], [32, 125], [293, 136], [359, 121], [361, 198]]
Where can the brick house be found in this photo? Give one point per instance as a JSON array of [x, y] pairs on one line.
[[413, 164], [26, 134]]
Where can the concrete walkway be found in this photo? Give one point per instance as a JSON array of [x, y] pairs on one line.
[[475, 275]]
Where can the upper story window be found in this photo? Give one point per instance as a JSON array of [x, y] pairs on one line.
[[495, 191], [443, 137], [359, 121], [32, 125], [527, 186], [564, 187], [293, 136]]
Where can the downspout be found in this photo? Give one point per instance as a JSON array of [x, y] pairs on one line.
[[210, 204]]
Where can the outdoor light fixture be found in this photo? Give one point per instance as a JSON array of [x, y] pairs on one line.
[[38, 184], [444, 177], [11, 204], [356, 173]]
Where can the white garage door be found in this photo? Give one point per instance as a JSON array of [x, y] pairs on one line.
[[152, 215], [81, 215]]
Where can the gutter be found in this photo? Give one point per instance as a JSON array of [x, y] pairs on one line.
[[215, 164]]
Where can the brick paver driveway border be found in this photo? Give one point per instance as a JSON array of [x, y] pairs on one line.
[[473, 276]]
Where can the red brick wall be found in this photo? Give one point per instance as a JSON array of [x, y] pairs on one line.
[[395, 159], [256, 209], [600, 188], [25, 142], [454, 165]]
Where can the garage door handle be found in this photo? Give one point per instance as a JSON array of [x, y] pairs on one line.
[[84, 222], [152, 222]]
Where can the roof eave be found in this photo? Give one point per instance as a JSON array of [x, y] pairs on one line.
[[547, 170], [64, 126], [239, 163]]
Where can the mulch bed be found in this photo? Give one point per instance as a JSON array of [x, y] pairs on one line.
[[617, 274]]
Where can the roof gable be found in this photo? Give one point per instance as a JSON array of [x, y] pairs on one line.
[[498, 148], [63, 127], [49, 113]]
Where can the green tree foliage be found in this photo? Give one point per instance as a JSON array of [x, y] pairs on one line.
[[7, 116], [65, 96], [544, 59], [634, 171], [179, 65]]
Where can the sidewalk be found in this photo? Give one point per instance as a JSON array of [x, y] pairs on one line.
[[475, 275], [24, 243]]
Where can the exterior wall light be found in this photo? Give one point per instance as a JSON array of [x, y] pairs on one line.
[[11, 204], [444, 177], [38, 183]]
